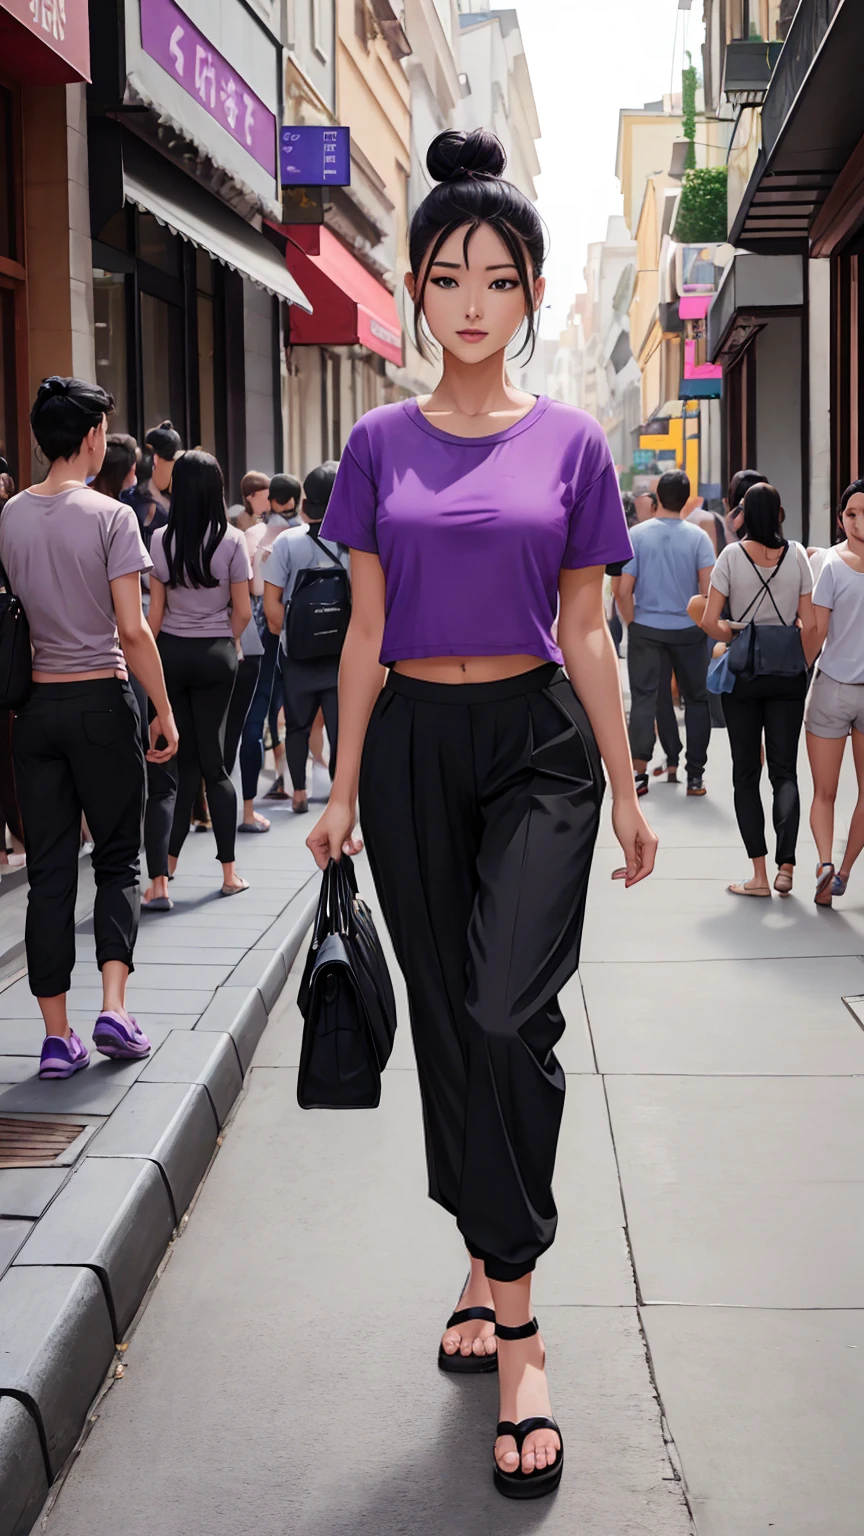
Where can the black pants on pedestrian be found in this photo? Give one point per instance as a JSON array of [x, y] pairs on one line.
[[161, 793], [646, 651], [266, 703], [773, 706], [307, 687], [666, 719], [77, 749], [241, 702], [480, 805], [200, 675]]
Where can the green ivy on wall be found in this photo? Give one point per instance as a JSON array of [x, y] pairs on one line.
[[702, 215], [688, 108]]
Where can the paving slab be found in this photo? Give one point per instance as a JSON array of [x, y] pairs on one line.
[[193, 1056], [264, 969], [56, 1344], [87, 1001], [186, 974], [743, 1191], [17, 1069], [96, 1091], [23, 1483], [766, 1409], [242, 1014], [13, 1235], [115, 1217], [685, 1017], [172, 1124], [27, 1191]]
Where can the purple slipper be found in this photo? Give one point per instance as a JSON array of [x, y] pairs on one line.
[[119, 1038], [62, 1057]]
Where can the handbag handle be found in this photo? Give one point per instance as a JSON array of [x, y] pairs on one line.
[[338, 886]]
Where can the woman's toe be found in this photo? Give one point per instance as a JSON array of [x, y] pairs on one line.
[[479, 1347], [467, 1346], [528, 1458], [508, 1461], [451, 1343], [491, 1345], [539, 1457]]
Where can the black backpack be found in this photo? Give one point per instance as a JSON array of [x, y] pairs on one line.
[[318, 613]]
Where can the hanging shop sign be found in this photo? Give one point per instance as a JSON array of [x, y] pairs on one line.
[[170, 38], [62, 27], [315, 157]]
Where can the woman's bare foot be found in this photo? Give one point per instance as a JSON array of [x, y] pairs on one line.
[[524, 1394], [472, 1338], [158, 887]]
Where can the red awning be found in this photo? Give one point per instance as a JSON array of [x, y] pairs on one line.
[[43, 42], [349, 305]]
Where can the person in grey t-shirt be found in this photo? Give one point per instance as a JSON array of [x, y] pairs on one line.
[[307, 686]]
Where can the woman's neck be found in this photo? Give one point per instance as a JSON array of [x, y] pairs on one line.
[[476, 389], [64, 475]]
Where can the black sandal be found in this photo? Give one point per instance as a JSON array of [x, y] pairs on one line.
[[519, 1484], [467, 1365]]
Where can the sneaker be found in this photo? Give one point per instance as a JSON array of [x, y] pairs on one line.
[[695, 786], [641, 784], [62, 1057], [119, 1038]]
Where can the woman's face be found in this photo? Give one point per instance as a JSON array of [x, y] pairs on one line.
[[853, 518], [163, 469], [474, 310], [259, 503]]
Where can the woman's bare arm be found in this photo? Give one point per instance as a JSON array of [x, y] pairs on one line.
[[593, 670], [361, 678], [156, 611], [712, 622], [142, 658], [241, 607]]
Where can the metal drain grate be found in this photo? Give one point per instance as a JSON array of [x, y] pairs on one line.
[[35, 1143]]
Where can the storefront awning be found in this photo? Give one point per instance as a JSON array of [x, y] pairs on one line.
[[46, 43], [754, 290], [350, 306], [190, 211]]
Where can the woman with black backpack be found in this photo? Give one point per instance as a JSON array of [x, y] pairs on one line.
[[307, 578], [767, 582], [199, 608]]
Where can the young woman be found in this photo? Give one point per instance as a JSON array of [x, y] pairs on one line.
[[739, 485], [118, 474], [75, 559], [199, 608], [835, 708], [765, 579], [481, 776]]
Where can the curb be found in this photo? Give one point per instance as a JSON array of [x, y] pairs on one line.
[[80, 1277]]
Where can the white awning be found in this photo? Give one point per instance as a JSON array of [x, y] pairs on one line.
[[190, 211]]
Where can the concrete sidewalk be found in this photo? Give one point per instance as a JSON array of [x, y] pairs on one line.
[[709, 1181]]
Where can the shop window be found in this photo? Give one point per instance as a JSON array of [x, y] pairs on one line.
[[112, 362], [157, 246], [8, 412], [116, 231], [8, 243], [206, 351], [161, 362]]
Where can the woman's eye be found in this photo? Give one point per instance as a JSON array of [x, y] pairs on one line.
[[445, 282], [504, 284]]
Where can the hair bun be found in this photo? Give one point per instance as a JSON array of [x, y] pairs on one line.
[[457, 156], [165, 426], [52, 387]]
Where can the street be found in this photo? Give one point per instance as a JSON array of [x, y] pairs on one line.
[[282, 1377]]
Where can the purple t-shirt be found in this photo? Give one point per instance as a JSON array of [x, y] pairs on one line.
[[203, 612], [472, 533]]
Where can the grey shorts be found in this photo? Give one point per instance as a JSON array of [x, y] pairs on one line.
[[834, 709]]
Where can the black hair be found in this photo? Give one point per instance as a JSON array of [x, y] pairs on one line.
[[121, 455], [285, 488], [469, 167], [673, 490], [629, 507], [763, 516], [164, 440], [740, 484], [64, 411], [197, 520], [855, 489]]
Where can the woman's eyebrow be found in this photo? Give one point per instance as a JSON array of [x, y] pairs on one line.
[[456, 265], [503, 266]]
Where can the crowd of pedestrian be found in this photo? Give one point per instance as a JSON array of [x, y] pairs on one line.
[[785, 628], [155, 666]]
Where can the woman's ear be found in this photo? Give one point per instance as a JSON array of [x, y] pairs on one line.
[[539, 292], [782, 515], [410, 285]]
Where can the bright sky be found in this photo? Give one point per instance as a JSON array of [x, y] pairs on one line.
[[589, 58]]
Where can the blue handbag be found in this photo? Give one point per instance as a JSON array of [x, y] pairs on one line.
[[721, 678]]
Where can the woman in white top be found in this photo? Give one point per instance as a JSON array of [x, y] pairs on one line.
[[765, 579], [835, 708]]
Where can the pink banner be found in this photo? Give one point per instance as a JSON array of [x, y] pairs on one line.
[[169, 37]]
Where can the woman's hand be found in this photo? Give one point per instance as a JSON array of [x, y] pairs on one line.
[[163, 728], [638, 842], [332, 835]]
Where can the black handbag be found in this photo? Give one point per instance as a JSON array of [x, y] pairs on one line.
[[16, 657], [766, 650], [346, 999]]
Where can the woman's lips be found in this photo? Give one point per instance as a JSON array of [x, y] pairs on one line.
[[473, 335]]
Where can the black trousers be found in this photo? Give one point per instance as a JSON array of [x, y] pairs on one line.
[[647, 650], [200, 676], [241, 701], [773, 706], [77, 748], [665, 718], [307, 687], [266, 703], [161, 793], [480, 805], [10, 811]]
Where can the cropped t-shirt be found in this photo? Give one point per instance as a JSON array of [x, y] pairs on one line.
[[203, 612], [473, 532]]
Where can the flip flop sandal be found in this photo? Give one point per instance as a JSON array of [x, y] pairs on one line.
[[158, 904], [825, 876], [670, 771], [234, 890], [741, 889], [253, 826], [519, 1484], [468, 1365], [783, 884], [839, 886]]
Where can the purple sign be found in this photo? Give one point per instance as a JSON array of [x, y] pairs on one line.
[[315, 157], [169, 37]]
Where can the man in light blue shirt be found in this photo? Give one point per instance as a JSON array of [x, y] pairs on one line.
[[672, 562]]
